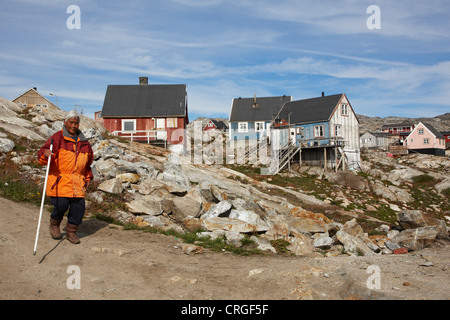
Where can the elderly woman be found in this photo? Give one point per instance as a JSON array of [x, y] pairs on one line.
[[69, 175]]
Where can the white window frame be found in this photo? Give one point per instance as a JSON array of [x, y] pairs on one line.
[[259, 124], [426, 140], [242, 126], [300, 131], [319, 131], [172, 122], [160, 123], [129, 121], [337, 130], [420, 131], [344, 110]]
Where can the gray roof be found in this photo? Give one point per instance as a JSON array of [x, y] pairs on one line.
[[219, 124], [145, 101], [396, 125], [267, 107], [311, 110], [433, 130]]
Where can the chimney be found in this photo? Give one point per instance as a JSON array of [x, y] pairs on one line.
[[323, 94], [255, 105], [143, 81]]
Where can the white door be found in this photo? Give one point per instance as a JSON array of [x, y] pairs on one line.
[[293, 136], [161, 129]]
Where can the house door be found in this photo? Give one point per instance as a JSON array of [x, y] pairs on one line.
[[161, 129], [293, 137]]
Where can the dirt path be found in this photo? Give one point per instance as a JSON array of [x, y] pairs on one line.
[[119, 264]]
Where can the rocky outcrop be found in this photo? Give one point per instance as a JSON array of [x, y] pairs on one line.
[[167, 191]]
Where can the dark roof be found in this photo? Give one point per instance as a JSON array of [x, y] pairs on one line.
[[396, 125], [311, 110], [267, 107], [378, 134], [219, 124], [436, 133], [145, 101]]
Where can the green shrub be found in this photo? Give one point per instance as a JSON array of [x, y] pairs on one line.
[[424, 179]]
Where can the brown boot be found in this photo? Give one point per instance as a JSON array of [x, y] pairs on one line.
[[71, 230], [55, 232]]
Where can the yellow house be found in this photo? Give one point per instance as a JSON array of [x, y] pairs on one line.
[[31, 98]]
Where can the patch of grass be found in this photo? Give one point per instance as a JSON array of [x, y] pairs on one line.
[[424, 180], [280, 246], [446, 192], [21, 191], [14, 187], [218, 244], [384, 213]]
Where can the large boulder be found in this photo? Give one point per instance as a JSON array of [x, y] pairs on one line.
[[183, 207], [111, 186], [418, 238], [353, 244], [146, 205], [6, 145]]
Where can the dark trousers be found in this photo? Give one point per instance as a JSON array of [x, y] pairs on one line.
[[76, 207]]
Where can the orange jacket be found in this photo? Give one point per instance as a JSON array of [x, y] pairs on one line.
[[70, 165]]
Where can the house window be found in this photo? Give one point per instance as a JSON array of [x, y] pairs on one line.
[[318, 131], [420, 131], [243, 127], [426, 141], [259, 126], [160, 123], [171, 122], [128, 125], [345, 109], [337, 130]]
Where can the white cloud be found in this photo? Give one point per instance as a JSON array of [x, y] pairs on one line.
[[198, 3]]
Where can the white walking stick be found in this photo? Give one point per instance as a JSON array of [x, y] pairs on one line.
[[43, 198]]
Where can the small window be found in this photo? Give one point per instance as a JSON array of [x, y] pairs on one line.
[[318, 131], [243, 127], [426, 141], [345, 109], [259, 126], [337, 130], [172, 122], [128, 125], [420, 131]]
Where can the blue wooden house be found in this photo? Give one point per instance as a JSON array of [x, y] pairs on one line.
[[318, 131], [250, 118]]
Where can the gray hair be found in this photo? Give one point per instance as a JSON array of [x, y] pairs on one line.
[[72, 114]]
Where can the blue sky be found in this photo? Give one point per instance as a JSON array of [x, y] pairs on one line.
[[224, 49]]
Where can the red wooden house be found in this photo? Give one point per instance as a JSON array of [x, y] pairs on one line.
[[147, 113], [215, 125]]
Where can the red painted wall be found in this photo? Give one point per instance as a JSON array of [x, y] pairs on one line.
[[173, 134]]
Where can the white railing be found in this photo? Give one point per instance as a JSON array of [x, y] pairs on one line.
[[143, 135]]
